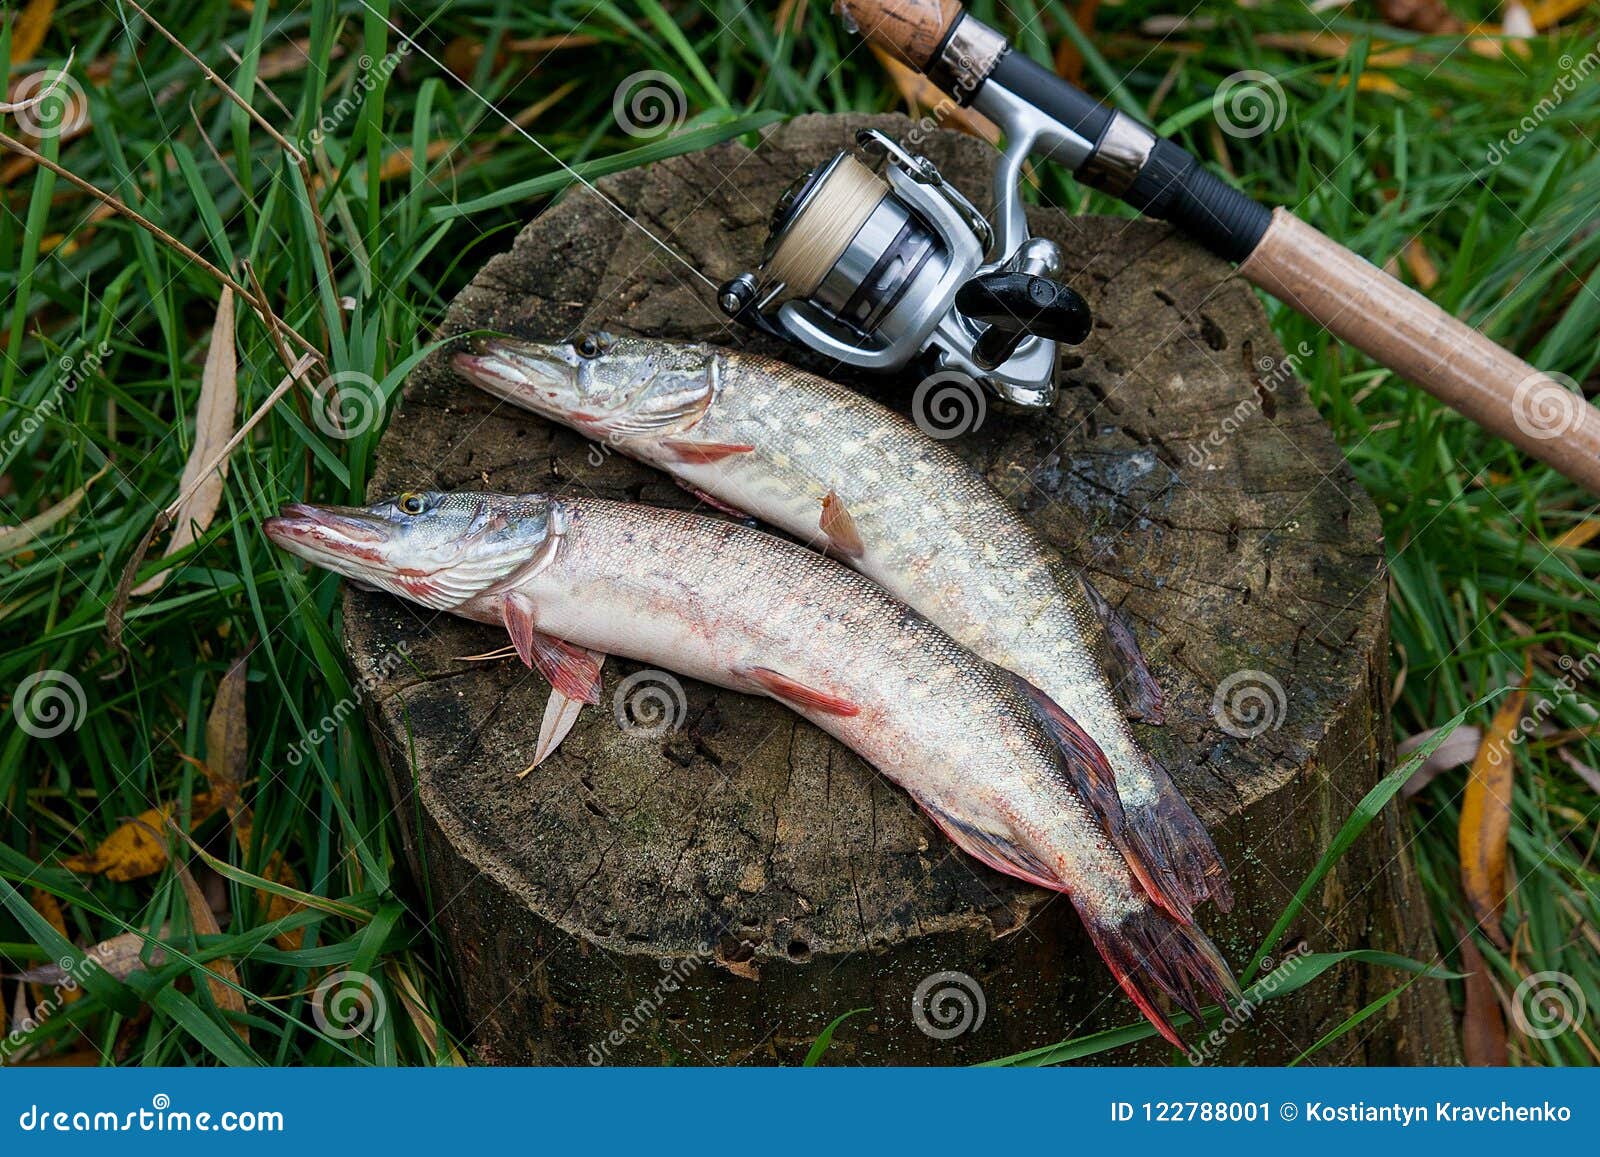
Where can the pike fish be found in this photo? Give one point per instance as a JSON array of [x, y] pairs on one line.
[[997, 765], [752, 435]]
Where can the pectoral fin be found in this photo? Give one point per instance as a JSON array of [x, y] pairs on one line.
[[572, 670], [711, 500], [840, 528], [699, 453], [1125, 665], [997, 850], [798, 694]]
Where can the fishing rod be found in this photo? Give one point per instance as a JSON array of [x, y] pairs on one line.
[[878, 267]]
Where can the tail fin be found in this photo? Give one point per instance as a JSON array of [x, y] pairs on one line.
[[1164, 842], [1157, 959], [1174, 849]]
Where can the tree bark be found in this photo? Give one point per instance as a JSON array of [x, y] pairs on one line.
[[719, 893]]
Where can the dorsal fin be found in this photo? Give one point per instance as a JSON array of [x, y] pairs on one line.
[[1124, 663]]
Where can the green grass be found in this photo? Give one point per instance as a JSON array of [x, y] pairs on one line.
[[1470, 524]]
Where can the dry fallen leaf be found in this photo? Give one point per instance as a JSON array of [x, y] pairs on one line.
[[121, 956], [14, 538], [132, 852], [226, 762], [222, 977], [1577, 536], [28, 32], [1458, 748], [1483, 1022], [1419, 15], [1486, 815], [228, 747], [213, 427]]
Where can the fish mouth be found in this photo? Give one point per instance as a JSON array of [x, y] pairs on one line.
[[537, 378], [342, 538]]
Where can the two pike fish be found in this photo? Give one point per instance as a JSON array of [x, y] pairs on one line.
[[983, 694]]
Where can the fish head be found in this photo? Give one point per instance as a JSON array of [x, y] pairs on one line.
[[438, 549], [603, 385]]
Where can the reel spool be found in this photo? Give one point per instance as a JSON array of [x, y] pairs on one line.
[[877, 268]]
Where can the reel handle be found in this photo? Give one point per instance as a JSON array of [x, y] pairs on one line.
[[909, 30], [1019, 305]]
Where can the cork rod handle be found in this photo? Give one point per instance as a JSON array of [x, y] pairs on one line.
[[909, 30], [1403, 330]]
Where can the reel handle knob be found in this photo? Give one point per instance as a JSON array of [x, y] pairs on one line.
[[1019, 305]]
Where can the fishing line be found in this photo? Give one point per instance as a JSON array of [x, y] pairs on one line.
[[566, 168]]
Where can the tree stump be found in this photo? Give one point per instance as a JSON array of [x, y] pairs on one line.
[[720, 892]]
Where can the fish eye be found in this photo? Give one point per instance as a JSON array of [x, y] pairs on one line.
[[592, 345], [411, 503]]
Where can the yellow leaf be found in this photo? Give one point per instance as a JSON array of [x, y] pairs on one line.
[[28, 33], [1578, 536], [1544, 13], [228, 748], [133, 851], [1486, 814]]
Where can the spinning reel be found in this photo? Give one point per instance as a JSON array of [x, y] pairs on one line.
[[876, 261]]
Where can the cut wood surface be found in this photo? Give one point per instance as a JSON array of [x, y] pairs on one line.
[[720, 891]]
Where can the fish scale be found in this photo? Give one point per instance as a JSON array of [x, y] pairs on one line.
[[933, 532], [990, 758]]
